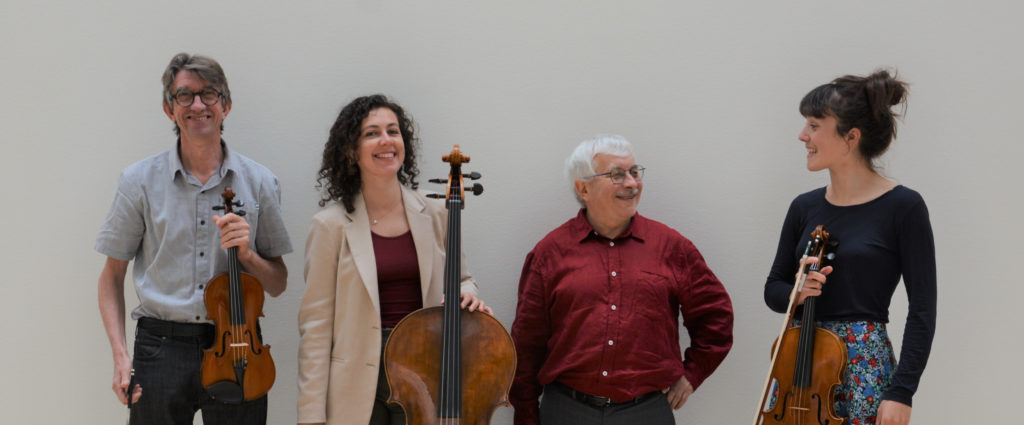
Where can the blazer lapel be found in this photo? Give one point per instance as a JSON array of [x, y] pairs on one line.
[[361, 244], [423, 236]]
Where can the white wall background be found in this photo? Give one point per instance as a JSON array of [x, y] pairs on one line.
[[706, 90]]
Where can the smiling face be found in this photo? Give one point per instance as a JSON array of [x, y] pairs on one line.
[[196, 121], [610, 204], [826, 148], [381, 148]]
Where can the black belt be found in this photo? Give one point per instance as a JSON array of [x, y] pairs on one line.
[[175, 329], [599, 401]]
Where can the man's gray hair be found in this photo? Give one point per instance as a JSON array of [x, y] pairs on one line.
[[203, 67], [580, 163]]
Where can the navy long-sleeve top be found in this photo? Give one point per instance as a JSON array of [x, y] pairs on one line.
[[879, 241]]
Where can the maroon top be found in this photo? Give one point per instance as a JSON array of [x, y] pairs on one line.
[[398, 277], [602, 315]]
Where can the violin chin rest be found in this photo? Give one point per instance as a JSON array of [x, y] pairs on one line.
[[226, 392]]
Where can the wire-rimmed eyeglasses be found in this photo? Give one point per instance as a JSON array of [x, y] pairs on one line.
[[618, 175]]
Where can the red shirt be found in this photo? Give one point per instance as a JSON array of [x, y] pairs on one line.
[[398, 277], [602, 315]]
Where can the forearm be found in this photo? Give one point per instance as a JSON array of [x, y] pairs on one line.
[[111, 304], [271, 272]]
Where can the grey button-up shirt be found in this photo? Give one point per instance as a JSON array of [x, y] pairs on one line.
[[162, 217]]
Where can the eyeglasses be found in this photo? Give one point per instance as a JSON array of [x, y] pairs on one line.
[[209, 96], [618, 175]]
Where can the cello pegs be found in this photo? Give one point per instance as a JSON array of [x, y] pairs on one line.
[[478, 188], [435, 196], [439, 181], [472, 176]]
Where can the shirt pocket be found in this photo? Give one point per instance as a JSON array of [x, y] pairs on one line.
[[652, 296]]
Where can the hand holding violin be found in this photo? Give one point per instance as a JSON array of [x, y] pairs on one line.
[[814, 282], [234, 231]]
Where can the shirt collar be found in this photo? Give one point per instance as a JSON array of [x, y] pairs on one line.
[[230, 161], [580, 228]]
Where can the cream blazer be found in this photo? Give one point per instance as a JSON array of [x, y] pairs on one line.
[[339, 320]]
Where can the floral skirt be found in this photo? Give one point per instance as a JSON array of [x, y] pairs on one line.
[[869, 369]]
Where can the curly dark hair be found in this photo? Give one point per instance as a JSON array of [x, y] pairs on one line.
[[861, 102], [339, 179]]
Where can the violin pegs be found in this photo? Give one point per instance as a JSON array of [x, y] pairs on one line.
[[240, 213], [478, 188]]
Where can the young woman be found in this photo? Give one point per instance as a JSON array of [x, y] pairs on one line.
[[883, 233], [374, 255]]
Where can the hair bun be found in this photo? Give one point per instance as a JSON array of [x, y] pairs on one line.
[[884, 91]]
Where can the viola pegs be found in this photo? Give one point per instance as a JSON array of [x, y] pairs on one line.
[[472, 176], [240, 213], [439, 181], [478, 188]]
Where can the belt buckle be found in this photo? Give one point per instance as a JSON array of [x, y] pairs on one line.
[[601, 401]]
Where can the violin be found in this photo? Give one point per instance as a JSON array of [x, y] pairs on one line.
[[807, 361], [238, 365], [446, 365]]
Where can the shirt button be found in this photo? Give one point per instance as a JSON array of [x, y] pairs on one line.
[[200, 286], [613, 307], [197, 317], [202, 222], [610, 342], [611, 243], [201, 253], [604, 373], [613, 274]]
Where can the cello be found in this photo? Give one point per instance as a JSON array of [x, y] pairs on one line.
[[446, 365], [237, 366], [807, 361]]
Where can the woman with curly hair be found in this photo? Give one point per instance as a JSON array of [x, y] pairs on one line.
[[375, 254], [883, 233]]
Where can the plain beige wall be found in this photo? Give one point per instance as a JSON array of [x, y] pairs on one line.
[[706, 90]]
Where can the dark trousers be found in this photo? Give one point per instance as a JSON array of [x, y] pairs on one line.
[[558, 407], [167, 361], [384, 413]]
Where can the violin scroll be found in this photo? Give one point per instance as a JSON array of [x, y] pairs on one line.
[[230, 203]]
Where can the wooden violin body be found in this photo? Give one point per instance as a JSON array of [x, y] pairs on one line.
[[237, 366], [811, 404], [446, 365], [808, 362]]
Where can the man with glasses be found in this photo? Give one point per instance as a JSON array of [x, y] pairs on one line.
[[596, 327], [162, 217]]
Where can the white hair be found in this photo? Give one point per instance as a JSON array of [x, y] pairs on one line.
[[580, 163]]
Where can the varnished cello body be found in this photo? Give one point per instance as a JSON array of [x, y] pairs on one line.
[[238, 365], [446, 365], [808, 362]]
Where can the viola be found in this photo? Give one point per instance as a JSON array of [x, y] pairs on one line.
[[238, 365], [446, 365], [807, 361]]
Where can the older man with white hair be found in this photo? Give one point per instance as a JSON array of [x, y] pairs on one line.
[[597, 323]]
